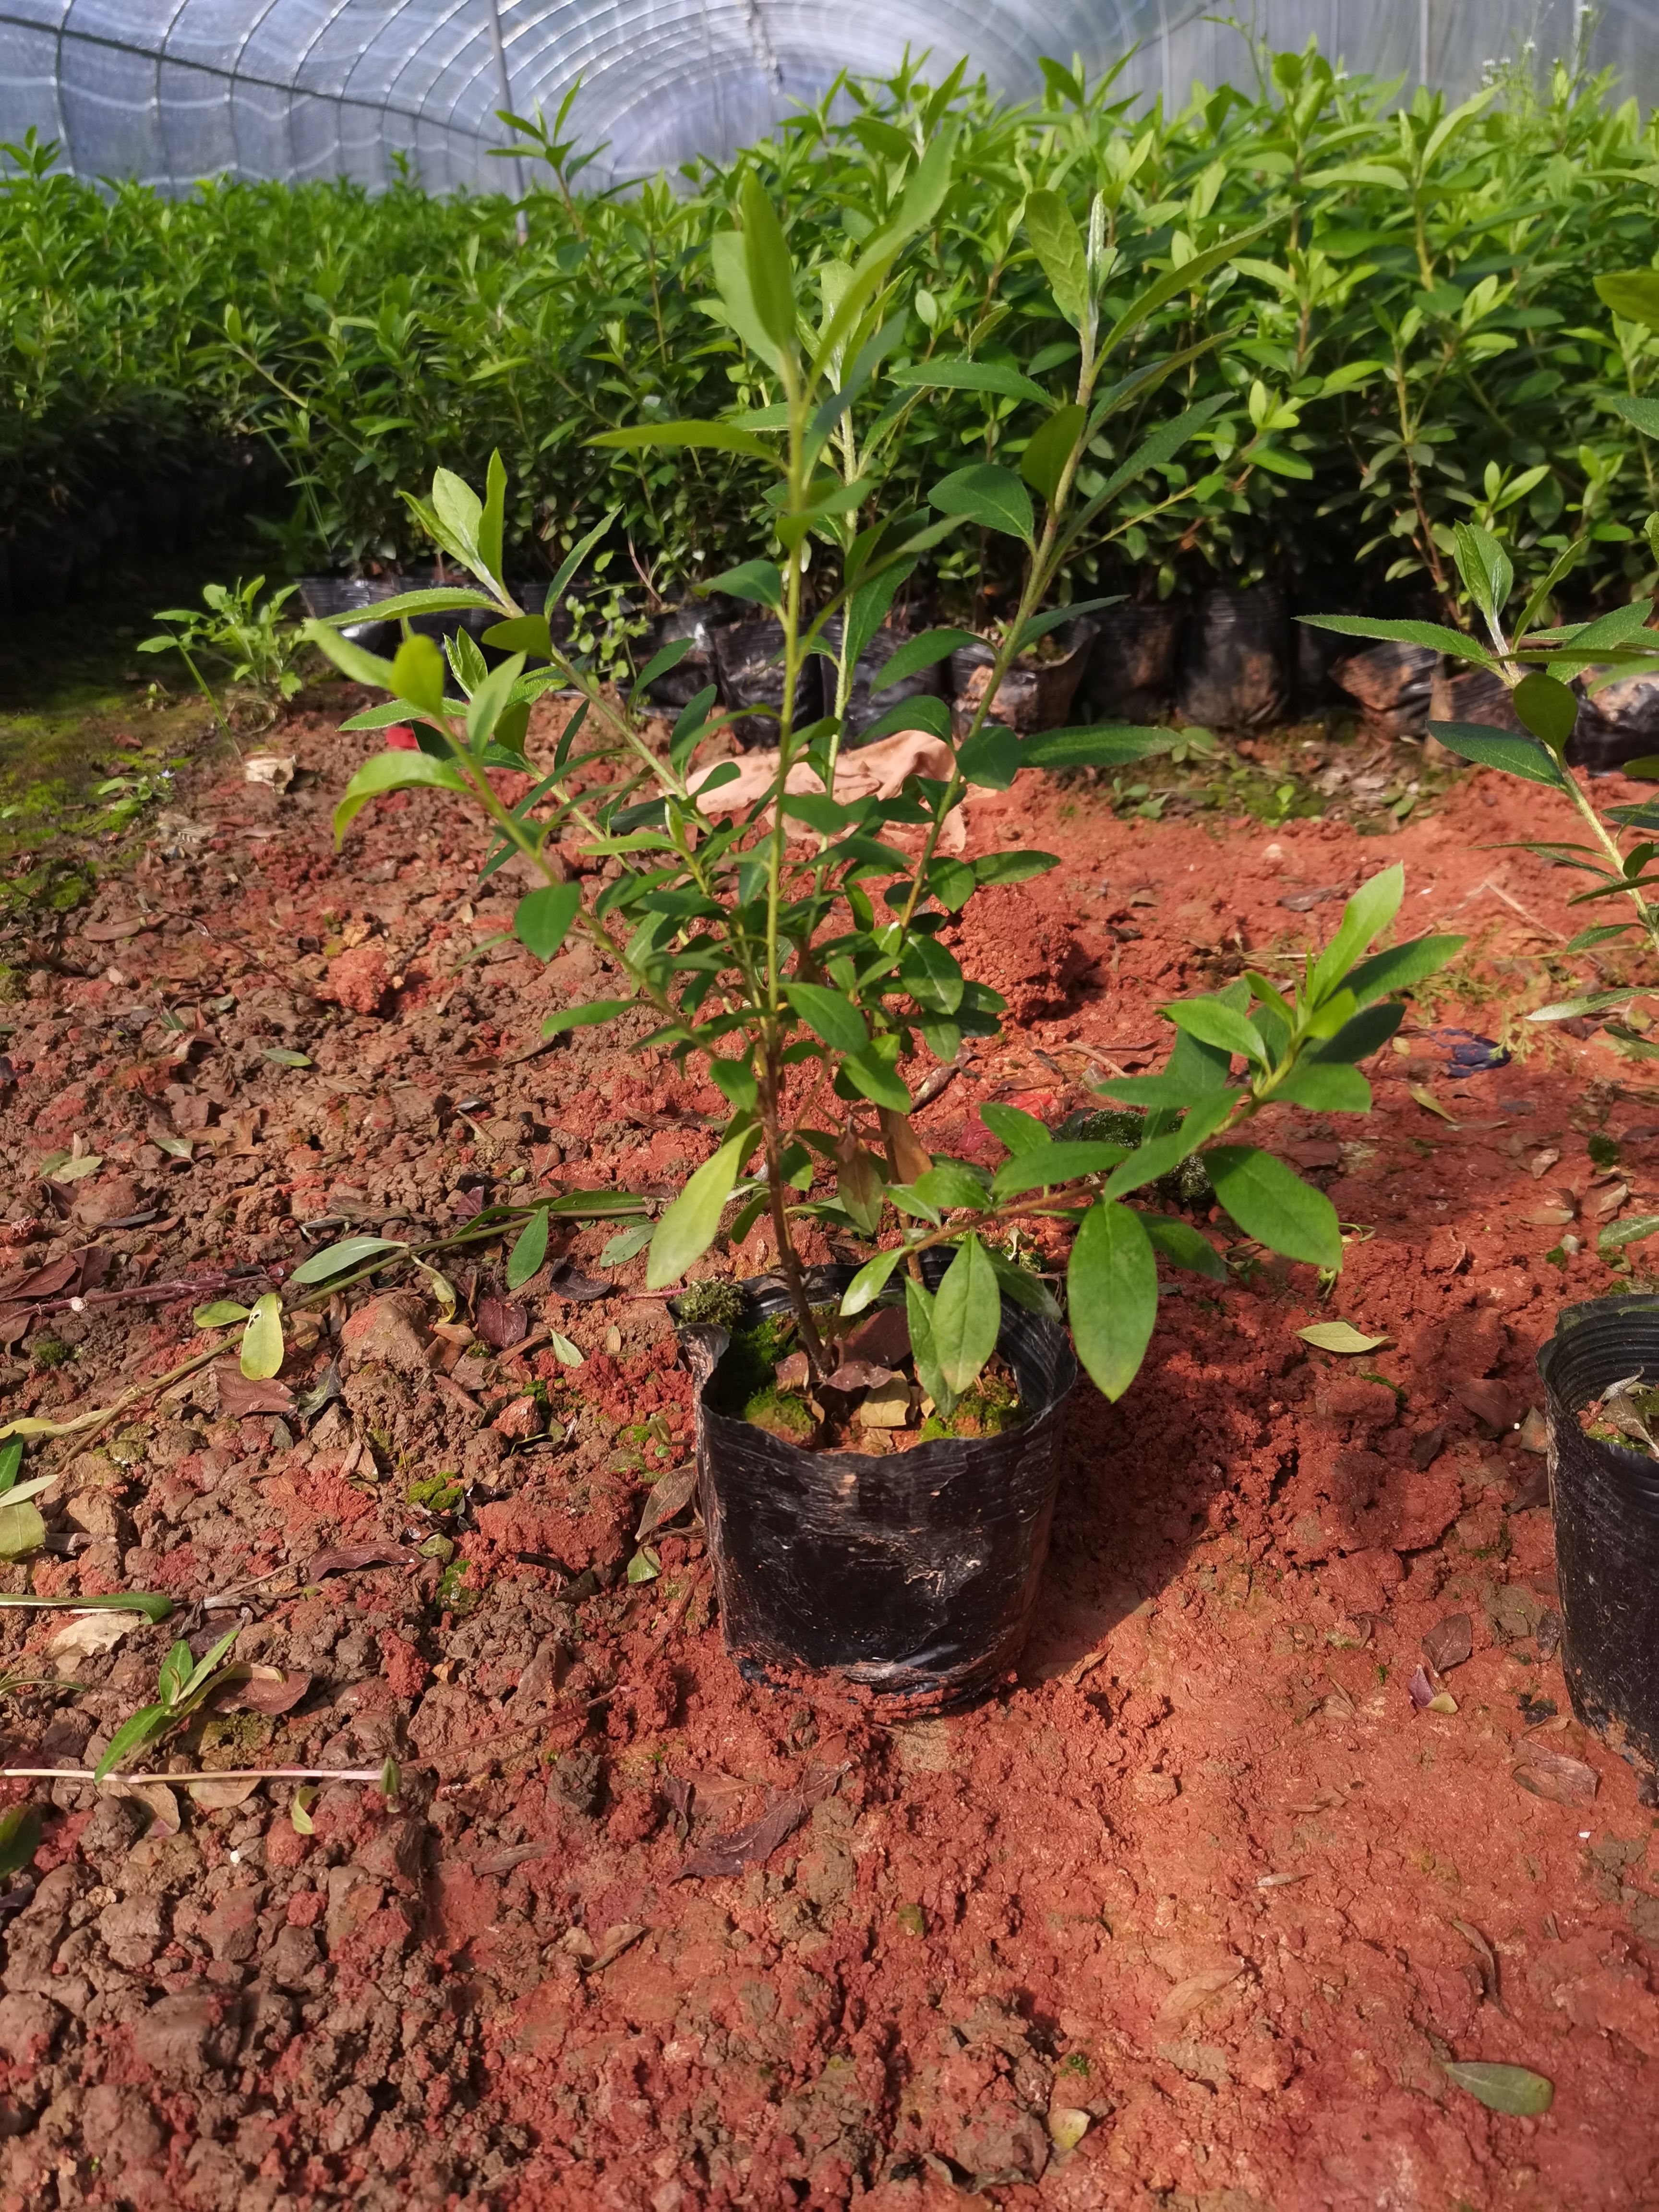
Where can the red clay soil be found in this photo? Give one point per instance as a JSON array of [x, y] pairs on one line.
[[1201, 1879]]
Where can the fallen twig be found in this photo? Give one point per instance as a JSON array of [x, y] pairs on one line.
[[85, 1423]]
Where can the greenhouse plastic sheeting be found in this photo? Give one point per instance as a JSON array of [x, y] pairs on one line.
[[169, 91]]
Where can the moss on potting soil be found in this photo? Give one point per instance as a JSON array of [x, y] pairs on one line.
[[989, 1409]]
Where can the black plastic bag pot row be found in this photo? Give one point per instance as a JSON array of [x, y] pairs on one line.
[[1401, 688], [911, 1574]]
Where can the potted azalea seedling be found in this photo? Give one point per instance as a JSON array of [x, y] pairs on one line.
[[876, 1433]]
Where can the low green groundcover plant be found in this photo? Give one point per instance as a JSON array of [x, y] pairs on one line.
[[795, 950]]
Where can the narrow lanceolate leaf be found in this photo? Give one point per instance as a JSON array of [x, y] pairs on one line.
[[688, 1227], [993, 376], [585, 1017], [1514, 2089], [1635, 1230], [1270, 1202], [1183, 1246], [529, 1249], [1502, 749], [967, 1315], [1106, 745], [1111, 1287], [262, 1339], [1435, 635], [1365, 918], [1214, 1023], [726, 437], [1339, 1336], [542, 918], [918, 1311], [350, 1252], [1058, 244]]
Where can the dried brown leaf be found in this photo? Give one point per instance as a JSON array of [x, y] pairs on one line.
[[1449, 1642], [671, 1493], [221, 1796], [240, 1395], [345, 1558], [1551, 1774], [752, 1844], [1187, 1996], [502, 1322]]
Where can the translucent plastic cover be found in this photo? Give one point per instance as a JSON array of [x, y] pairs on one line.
[[169, 91]]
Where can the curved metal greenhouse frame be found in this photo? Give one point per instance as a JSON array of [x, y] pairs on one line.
[[170, 91]]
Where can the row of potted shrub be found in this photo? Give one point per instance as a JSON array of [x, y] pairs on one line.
[[1409, 338]]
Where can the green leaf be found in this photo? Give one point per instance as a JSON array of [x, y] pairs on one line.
[[1547, 706], [1161, 1155], [766, 258], [151, 1603], [223, 1313], [1502, 749], [20, 1839], [387, 772], [990, 757], [1270, 1202], [529, 1249], [692, 1221], [760, 580], [457, 507], [1636, 1231], [931, 974], [1633, 294], [1339, 1336], [724, 437], [198, 1675], [967, 1315], [143, 1728], [336, 1259], [729, 259], [282, 1057], [948, 1186], [573, 561], [1049, 448], [1365, 917], [1042, 1167], [1325, 1090], [874, 1079], [645, 1565], [1013, 867], [417, 675], [1012, 1125], [919, 653], [585, 1017], [1187, 278], [1641, 414], [993, 497], [1396, 969], [871, 1281], [490, 522], [969, 376], [835, 1019], [1104, 746], [1183, 1247], [542, 918], [1214, 1023], [1514, 2089], [1435, 636], [1111, 1295], [567, 1354], [437, 599], [627, 1245], [1602, 933], [11, 1460], [1589, 1002], [1024, 1288], [262, 1339], [919, 1310], [21, 1531], [1058, 244]]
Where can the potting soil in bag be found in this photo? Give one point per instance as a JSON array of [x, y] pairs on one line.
[[1393, 683], [1235, 659], [1037, 692], [749, 656], [863, 710], [1618, 724], [1130, 676], [912, 1574], [1606, 1501]]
